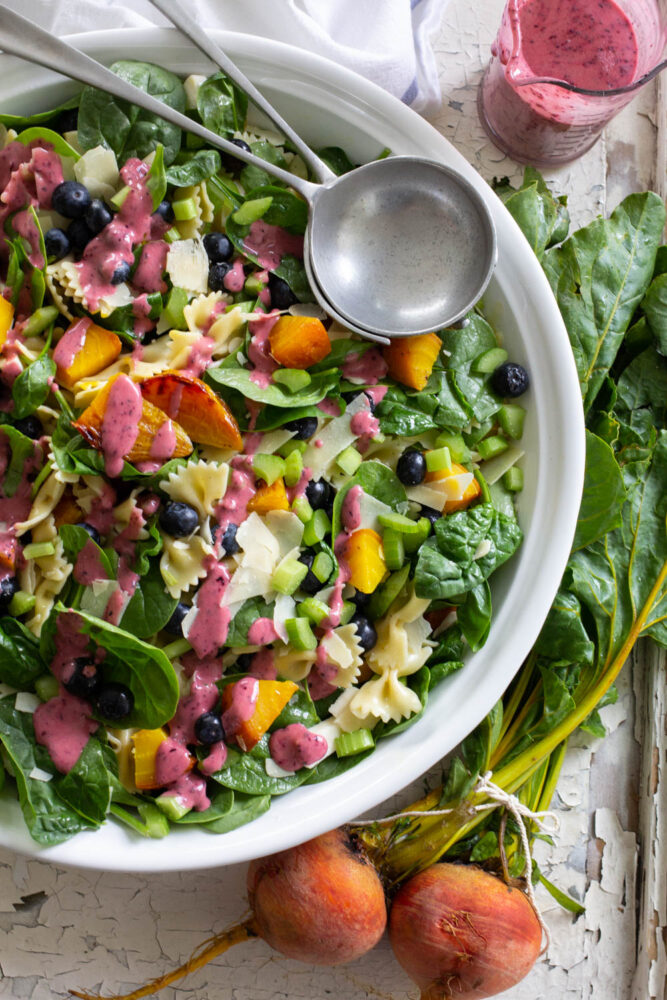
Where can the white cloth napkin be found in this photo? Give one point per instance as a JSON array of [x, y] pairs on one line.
[[387, 41]]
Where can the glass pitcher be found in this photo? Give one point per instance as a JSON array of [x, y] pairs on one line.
[[561, 69]]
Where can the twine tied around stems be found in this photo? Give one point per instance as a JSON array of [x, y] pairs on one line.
[[520, 812]]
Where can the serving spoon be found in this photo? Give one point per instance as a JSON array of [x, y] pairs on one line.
[[396, 247]]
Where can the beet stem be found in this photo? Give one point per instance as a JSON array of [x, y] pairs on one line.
[[203, 953]]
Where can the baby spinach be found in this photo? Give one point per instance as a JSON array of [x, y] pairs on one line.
[[22, 448], [193, 168], [336, 159], [18, 122], [39, 132], [471, 390], [87, 787], [222, 106], [150, 607], [286, 210], [126, 129], [254, 177], [227, 811], [31, 388], [245, 772], [274, 394], [156, 181], [292, 271], [375, 479], [249, 612], [21, 661]]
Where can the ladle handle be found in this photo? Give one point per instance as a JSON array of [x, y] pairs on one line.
[[175, 13], [23, 38]]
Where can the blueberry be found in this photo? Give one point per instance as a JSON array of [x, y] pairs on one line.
[[228, 543], [350, 396], [79, 235], [303, 428], [230, 163], [56, 244], [175, 624], [366, 634], [67, 121], [121, 274], [216, 275], [411, 467], [510, 379], [218, 247], [70, 199], [8, 587], [30, 426], [97, 216], [208, 729], [244, 661], [114, 701], [282, 296], [84, 679], [88, 528], [178, 519], [431, 513], [165, 211], [310, 584], [361, 600], [319, 494]]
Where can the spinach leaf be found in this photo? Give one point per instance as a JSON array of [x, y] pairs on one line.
[[599, 276], [245, 772], [222, 106], [74, 538], [292, 271], [60, 146], [471, 390], [336, 159], [19, 122], [196, 168], [122, 319], [156, 181], [375, 479], [244, 809], [143, 668], [87, 787], [604, 493], [274, 394], [249, 612], [21, 662], [474, 616], [254, 177], [126, 129], [31, 388], [150, 607], [22, 449], [49, 818], [286, 211], [299, 708]]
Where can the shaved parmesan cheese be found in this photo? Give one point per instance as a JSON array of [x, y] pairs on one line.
[[98, 171], [5, 689], [187, 265], [496, 467], [370, 509], [333, 438], [253, 534], [287, 528], [272, 441], [437, 493], [482, 549], [121, 296], [39, 775], [26, 702], [285, 607]]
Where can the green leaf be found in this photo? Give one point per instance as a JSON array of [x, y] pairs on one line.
[[375, 479], [21, 661], [31, 388], [655, 310], [87, 787], [39, 132], [156, 181], [543, 219], [19, 122], [336, 159], [599, 276], [471, 390], [474, 616], [286, 211], [196, 168], [249, 612], [222, 106], [22, 449], [604, 493], [244, 809], [126, 129], [150, 607], [274, 394], [245, 772]]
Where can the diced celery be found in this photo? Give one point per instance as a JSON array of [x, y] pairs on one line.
[[119, 197], [44, 474], [349, 744], [176, 648], [294, 379], [511, 418], [438, 459], [412, 542], [349, 460], [476, 434], [317, 528], [491, 446], [322, 566], [347, 612], [394, 550], [513, 479], [252, 210], [47, 687], [286, 449], [387, 593], [288, 576], [39, 550], [300, 634], [293, 468], [173, 311], [488, 361], [314, 609], [172, 235], [21, 603], [268, 467], [173, 806], [399, 523], [458, 449], [302, 509], [40, 319], [253, 285], [184, 209]]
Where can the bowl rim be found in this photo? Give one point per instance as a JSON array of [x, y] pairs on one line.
[[548, 539]]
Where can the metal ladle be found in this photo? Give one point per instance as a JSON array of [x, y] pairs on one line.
[[396, 247]]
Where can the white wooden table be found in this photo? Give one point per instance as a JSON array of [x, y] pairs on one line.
[[64, 929]]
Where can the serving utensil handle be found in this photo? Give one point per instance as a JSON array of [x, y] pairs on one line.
[[175, 13], [25, 39]]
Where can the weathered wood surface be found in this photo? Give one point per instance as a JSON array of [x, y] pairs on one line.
[[62, 929]]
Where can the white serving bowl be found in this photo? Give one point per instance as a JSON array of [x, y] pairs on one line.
[[333, 106]]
